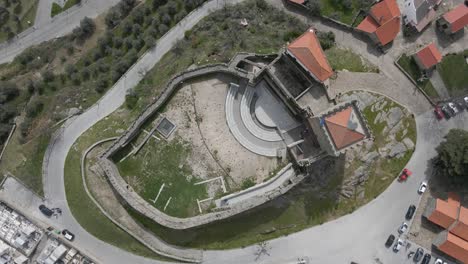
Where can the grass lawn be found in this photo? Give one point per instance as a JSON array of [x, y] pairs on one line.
[[344, 59], [168, 166], [27, 14], [384, 171], [83, 209], [298, 209], [454, 72], [25, 160], [57, 9], [410, 66], [337, 11]]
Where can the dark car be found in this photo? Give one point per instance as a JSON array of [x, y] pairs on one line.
[[410, 212], [447, 111], [45, 210], [419, 254], [438, 112], [68, 235], [426, 259], [390, 240]]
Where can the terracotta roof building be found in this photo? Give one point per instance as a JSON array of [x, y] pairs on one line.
[[382, 24], [340, 128], [428, 57], [454, 20], [452, 245], [300, 2], [460, 228], [418, 14], [307, 52], [443, 213]]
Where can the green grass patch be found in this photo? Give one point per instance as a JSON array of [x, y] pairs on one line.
[[160, 163], [336, 10], [430, 90], [83, 209], [344, 59], [57, 9], [384, 171], [25, 160], [453, 70], [293, 212], [409, 65]]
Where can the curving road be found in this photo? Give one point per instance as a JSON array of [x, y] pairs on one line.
[[54, 160], [359, 235], [46, 28]]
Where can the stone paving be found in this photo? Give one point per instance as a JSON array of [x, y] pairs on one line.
[[409, 96]]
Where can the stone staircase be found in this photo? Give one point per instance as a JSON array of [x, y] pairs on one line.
[[239, 129], [254, 128]]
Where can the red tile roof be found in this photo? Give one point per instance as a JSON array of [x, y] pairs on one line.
[[301, 2], [343, 128], [446, 212], [456, 247], [429, 56], [457, 17], [461, 227], [307, 50], [383, 21]]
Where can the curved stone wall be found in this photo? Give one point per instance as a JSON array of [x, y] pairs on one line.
[[143, 207]]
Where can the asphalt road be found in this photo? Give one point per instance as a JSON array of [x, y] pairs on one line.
[[359, 236], [49, 28], [54, 161]]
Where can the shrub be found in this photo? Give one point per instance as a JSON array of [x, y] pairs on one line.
[[315, 7], [48, 76], [8, 91], [290, 35], [34, 108], [131, 99], [24, 127], [163, 29], [327, 39], [247, 183], [70, 69]]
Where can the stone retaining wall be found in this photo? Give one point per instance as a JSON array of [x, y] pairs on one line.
[[133, 199], [143, 207]]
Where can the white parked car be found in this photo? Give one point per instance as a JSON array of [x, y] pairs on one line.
[[422, 187], [398, 245], [403, 228], [453, 107], [439, 261], [466, 100]]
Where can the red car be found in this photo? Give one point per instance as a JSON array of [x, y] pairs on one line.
[[404, 175], [438, 112]]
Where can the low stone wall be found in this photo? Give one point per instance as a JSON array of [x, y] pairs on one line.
[[172, 85], [133, 199], [155, 244], [143, 207], [413, 81]]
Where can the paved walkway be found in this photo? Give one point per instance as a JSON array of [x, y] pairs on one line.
[[43, 13], [49, 29], [410, 97]]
